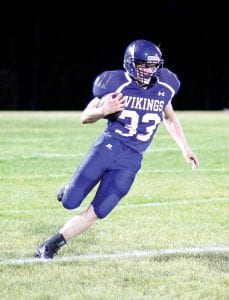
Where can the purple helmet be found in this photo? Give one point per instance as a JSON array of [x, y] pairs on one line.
[[145, 53]]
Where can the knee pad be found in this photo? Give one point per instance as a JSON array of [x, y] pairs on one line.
[[72, 198], [104, 207]]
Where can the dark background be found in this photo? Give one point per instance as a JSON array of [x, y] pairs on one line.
[[51, 51]]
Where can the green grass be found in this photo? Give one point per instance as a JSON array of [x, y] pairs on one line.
[[168, 208]]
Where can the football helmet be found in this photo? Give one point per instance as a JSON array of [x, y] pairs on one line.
[[142, 59]]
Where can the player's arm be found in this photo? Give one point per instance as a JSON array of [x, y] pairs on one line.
[[100, 108], [174, 128]]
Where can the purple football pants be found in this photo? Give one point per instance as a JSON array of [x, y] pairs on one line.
[[112, 165]]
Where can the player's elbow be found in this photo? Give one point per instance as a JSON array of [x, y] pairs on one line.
[[85, 119]]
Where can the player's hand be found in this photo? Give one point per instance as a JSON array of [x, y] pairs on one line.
[[191, 157], [112, 103]]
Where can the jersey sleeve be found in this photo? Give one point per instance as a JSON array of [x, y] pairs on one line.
[[107, 82], [170, 78]]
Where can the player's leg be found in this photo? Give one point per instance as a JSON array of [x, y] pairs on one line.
[[116, 183], [113, 186], [79, 223], [78, 188], [85, 178], [83, 181], [71, 228], [89, 172]]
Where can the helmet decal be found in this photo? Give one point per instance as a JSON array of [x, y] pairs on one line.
[[154, 58], [131, 49]]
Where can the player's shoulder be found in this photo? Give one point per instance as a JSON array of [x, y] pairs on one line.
[[168, 77], [108, 76], [108, 81]]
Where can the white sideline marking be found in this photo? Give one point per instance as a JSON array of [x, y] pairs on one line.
[[31, 177], [40, 155], [124, 206], [182, 171], [176, 149], [149, 204], [157, 171], [120, 255]]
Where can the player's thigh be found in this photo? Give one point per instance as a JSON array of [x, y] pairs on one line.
[[112, 188], [85, 178], [117, 181]]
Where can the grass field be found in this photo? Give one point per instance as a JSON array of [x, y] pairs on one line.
[[167, 239]]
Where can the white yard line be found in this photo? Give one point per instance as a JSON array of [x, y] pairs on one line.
[[122, 255], [183, 171], [150, 204], [156, 171], [41, 155], [126, 206], [31, 177]]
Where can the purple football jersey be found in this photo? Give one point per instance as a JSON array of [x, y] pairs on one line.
[[143, 112]]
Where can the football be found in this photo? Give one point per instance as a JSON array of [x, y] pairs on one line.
[[113, 116], [110, 116]]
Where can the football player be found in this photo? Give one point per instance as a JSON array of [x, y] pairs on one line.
[[134, 100]]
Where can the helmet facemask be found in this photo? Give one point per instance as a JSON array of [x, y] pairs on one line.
[[145, 71], [142, 59]]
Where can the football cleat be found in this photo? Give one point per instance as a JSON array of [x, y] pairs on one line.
[[60, 194], [46, 251]]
